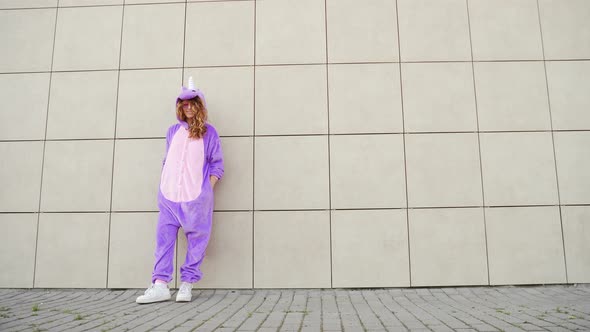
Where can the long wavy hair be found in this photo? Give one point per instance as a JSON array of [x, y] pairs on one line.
[[196, 124]]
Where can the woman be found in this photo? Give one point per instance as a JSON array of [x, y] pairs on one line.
[[191, 168]]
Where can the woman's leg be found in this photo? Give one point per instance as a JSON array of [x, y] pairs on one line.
[[166, 233], [197, 240]]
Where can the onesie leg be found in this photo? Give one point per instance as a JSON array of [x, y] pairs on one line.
[[166, 234], [195, 252]]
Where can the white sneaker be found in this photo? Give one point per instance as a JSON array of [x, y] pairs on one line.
[[185, 292], [156, 293]]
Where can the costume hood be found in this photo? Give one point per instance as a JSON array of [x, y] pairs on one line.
[[191, 92]]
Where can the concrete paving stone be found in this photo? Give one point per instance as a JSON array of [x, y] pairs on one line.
[[293, 319], [274, 319], [289, 329], [43, 315], [182, 329], [310, 329], [499, 324], [92, 310], [456, 324], [201, 302], [374, 326], [253, 322], [440, 328], [243, 313], [39, 299], [350, 318], [551, 320], [266, 329], [412, 323], [57, 324], [25, 296], [222, 316], [574, 327], [331, 326], [331, 315], [484, 328], [141, 317], [111, 317], [558, 329], [351, 326], [312, 322], [397, 329]]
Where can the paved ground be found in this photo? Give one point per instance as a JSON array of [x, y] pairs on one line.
[[539, 308]]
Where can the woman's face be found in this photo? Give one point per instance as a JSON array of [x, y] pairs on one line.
[[187, 108]]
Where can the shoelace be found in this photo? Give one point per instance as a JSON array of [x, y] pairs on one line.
[[149, 290], [184, 288]]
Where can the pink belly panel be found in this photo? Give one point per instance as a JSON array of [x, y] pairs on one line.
[[182, 175]]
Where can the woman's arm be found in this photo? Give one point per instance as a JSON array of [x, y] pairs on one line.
[[216, 167]]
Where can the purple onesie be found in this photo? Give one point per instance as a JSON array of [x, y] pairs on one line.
[[185, 199]]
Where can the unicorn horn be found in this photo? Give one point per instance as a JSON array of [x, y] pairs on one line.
[[191, 83]]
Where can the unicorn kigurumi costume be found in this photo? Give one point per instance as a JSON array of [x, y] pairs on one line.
[[185, 199]]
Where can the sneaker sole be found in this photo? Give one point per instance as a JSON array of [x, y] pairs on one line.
[[183, 299], [153, 301]]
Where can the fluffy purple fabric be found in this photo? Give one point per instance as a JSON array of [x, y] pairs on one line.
[[186, 94], [195, 217]]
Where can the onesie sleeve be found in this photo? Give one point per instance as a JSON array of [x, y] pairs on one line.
[[215, 155]]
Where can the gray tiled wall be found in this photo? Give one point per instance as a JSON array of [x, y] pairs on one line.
[[367, 143]]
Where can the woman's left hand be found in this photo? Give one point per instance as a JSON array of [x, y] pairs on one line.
[[213, 180]]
